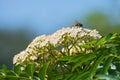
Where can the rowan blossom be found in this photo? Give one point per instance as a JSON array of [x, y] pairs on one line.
[[65, 41]]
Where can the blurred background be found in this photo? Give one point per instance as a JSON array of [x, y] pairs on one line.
[[23, 20]]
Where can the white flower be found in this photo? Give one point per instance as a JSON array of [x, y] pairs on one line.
[[74, 31], [37, 40], [33, 57], [94, 33], [20, 57], [43, 43]]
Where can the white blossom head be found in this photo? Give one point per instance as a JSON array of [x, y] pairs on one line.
[[65, 41]]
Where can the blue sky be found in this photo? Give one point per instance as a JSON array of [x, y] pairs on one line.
[[46, 16]]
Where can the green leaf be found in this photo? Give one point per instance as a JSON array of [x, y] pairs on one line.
[[43, 70], [24, 75], [53, 69], [30, 69], [71, 76], [83, 59], [95, 65], [86, 46], [100, 41], [58, 77], [107, 64], [115, 35], [65, 58], [77, 76], [104, 39], [76, 58], [108, 37], [17, 69], [4, 68], [83, 76]]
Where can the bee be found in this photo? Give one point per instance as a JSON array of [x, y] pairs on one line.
[[78, 24]]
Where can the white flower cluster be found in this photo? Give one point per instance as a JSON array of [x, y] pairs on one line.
[[65, 41]]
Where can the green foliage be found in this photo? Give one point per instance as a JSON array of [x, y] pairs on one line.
[[102, 22], [101, 63]]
